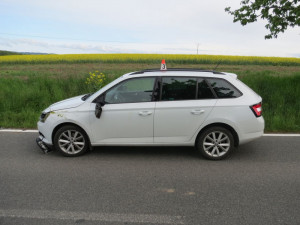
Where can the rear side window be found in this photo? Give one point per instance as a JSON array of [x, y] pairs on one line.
[[204, 92], [223, 89], [178, 88]]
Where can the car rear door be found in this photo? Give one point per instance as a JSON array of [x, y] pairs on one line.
[[185, 103]]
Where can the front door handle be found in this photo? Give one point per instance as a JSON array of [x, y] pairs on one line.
[[197, 111], [145, 113]]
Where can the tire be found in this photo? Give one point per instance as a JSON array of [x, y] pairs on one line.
[[71, 141], [215, 143]]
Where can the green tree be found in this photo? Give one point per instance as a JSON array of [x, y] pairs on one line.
[[280, 14]]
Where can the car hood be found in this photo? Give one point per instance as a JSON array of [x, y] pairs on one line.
[[66, 104]]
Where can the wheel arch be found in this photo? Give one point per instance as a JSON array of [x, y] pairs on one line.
[[226, 126], [66, 124]]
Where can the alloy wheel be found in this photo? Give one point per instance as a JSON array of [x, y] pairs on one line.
[[71, 141], [216, 144]]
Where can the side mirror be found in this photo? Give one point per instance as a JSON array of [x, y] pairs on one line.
[[99, 104], [98, 110]]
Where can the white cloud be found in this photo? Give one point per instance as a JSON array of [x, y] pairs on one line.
[[148, 26], [61, 47]]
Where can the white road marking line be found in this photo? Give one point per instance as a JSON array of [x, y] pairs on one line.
[[18, 131], [107, 217], [281, 135], [35, 131]]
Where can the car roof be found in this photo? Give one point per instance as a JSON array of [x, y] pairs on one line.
[[181, 72], [176, 70]]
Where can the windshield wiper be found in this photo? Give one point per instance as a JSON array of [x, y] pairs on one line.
[[85, 97]]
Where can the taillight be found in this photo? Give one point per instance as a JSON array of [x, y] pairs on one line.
[[256, 109]]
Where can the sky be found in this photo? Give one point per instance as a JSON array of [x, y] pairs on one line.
[[136, 26]]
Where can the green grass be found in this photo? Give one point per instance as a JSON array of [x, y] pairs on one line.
[[25, 90], [22, 100], [281, 103]]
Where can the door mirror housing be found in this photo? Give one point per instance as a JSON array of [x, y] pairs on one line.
[[99, 103], [98, 110]]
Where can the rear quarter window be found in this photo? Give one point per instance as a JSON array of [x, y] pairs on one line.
[[223, 88]]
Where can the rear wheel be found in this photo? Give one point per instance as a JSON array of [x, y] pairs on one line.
[[215, 143], [71, 141]]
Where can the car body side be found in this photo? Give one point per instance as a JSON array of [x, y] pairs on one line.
[[231, 112]]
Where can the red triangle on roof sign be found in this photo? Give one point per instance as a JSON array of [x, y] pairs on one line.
[[163, 65]]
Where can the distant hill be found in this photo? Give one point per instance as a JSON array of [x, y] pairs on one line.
[[34, 53], [3, 52]]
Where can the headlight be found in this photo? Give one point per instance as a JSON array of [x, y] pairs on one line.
[[44, 116]]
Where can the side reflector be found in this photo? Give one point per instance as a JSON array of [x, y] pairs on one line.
[[257, 109], [163, 65]]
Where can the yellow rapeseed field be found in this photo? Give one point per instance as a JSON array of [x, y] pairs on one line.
[[147, 58]]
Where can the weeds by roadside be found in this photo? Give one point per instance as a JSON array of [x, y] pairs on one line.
[[25, 90]]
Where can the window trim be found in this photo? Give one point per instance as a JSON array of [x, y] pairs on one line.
[[158, 83], [126, 80], [197, 88]]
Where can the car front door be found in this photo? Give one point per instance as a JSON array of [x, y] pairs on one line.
[[127, 116], [185, 104]]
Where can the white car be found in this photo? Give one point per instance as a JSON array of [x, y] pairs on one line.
[[212, 111]]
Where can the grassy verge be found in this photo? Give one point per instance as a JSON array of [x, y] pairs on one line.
[[281, 104], [26, 89]]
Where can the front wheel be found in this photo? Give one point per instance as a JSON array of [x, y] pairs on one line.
[[71, 141], [215, 143]]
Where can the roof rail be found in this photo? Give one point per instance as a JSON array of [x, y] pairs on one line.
[[176, 69]]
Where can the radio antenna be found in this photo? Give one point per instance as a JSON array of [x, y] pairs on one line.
[[217, 65]]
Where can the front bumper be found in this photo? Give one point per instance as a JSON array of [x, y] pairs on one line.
[[45, 130], [43, 146]]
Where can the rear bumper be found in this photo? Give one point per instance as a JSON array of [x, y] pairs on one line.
[[259, 124], [251, 136]]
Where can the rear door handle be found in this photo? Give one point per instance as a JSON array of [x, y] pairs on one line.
[[197, 111], [145, 113]]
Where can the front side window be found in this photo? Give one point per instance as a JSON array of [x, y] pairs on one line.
[[223, 89], [178, 88], [131, 91]]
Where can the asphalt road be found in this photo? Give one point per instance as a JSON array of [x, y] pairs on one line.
[[258, 184]]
